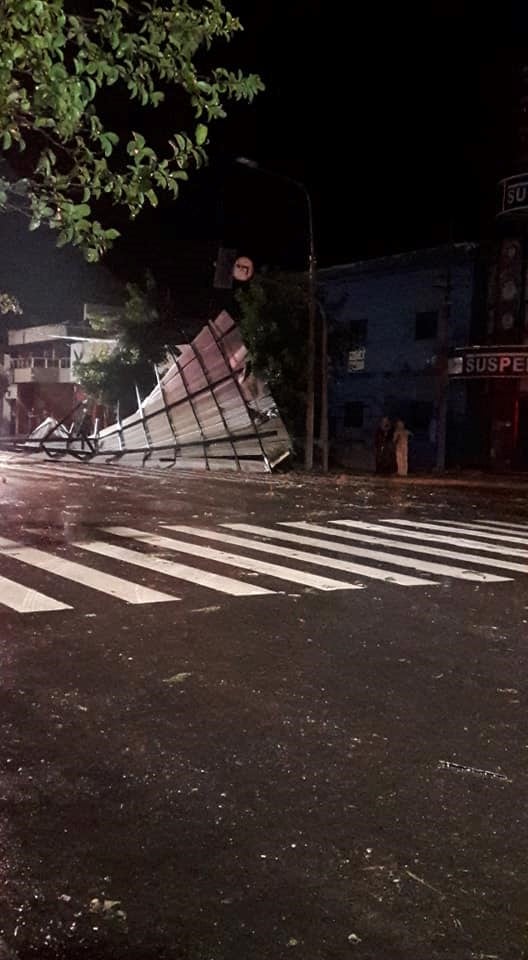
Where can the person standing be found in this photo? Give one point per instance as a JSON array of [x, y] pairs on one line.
[[384, 447], [401, 446]]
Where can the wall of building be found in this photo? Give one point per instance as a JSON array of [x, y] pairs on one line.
[[52, 286], [398, 378]]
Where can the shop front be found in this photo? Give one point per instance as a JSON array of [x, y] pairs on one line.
[[497, 379]]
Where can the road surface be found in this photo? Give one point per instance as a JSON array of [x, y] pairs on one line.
[[263, 717]]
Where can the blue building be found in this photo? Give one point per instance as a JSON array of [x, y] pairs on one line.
[[384, 316]]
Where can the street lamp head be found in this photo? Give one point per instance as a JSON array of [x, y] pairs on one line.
[[246, 162]]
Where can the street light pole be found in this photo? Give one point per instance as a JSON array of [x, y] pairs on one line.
[[312, 307], [442, 376], [442, 360], [310, 358]]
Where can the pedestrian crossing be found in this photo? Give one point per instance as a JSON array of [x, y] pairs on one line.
[[67, 470], [253, 561], [36, 468]]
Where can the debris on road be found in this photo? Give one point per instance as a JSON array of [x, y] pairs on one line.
[[460, 768], [424, 883], [108, 909], [178, 678]]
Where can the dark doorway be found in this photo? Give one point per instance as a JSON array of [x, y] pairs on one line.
[[522, 435]]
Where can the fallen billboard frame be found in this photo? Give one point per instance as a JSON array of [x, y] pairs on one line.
[[207, 411]]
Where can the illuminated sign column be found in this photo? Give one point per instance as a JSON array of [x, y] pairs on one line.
[[507, 283]]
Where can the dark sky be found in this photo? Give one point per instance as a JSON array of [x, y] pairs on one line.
[[398, 120]]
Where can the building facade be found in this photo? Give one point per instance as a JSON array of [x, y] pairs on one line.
[[386, 322], [59, 292], [39, 371], [495, 366]]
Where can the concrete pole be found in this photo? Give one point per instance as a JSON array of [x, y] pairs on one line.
[[310, 352], [323, 427], [442, 373], [312, 308]]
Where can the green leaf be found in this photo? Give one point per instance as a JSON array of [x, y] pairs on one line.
[[80, 210], [201, 134], [54, 66], [106, 145]]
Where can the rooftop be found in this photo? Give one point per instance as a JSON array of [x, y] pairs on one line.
[[411, 259]]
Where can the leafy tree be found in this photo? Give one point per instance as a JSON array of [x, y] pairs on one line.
[[273, 322], [9, 304], [143, 329], [57, 68], [111, 378]]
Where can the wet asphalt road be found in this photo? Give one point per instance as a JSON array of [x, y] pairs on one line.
[[221, 778]]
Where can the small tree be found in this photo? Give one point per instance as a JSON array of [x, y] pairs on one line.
[[273, 323], [57, 68], [9, 304], [143, 329]]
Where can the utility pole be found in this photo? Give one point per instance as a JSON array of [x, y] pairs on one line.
[[310, 353], [312, 306], [323, 426], [442, 368]]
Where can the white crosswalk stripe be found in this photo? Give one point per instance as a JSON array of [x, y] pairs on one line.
[[522, 527], [359, 536], [467, 529], [424, 566], [232, 559], [25, 600], [358, 569], [235, 588], [53, 471], [290, 548], [79, 573], [72, 469], [482, 526], [429, 538]]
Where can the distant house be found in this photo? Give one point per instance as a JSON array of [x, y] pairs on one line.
[[59, 293], [40, 369], [384, 314]]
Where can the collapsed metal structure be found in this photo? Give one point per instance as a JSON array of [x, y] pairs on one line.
[[207, 411]]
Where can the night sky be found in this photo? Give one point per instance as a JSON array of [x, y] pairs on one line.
[[399, 123]]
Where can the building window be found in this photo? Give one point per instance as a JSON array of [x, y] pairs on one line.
[[357, 332], [426, 326], [356, 359], [353, 414]]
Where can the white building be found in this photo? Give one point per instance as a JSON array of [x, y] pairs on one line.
[[39, 366]]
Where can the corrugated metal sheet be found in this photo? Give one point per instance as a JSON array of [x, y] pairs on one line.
[[206, 412]]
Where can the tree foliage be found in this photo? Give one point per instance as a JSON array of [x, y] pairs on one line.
[[143, 329], [9, 304], [273, 322], [111, 378], [57, 68]]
